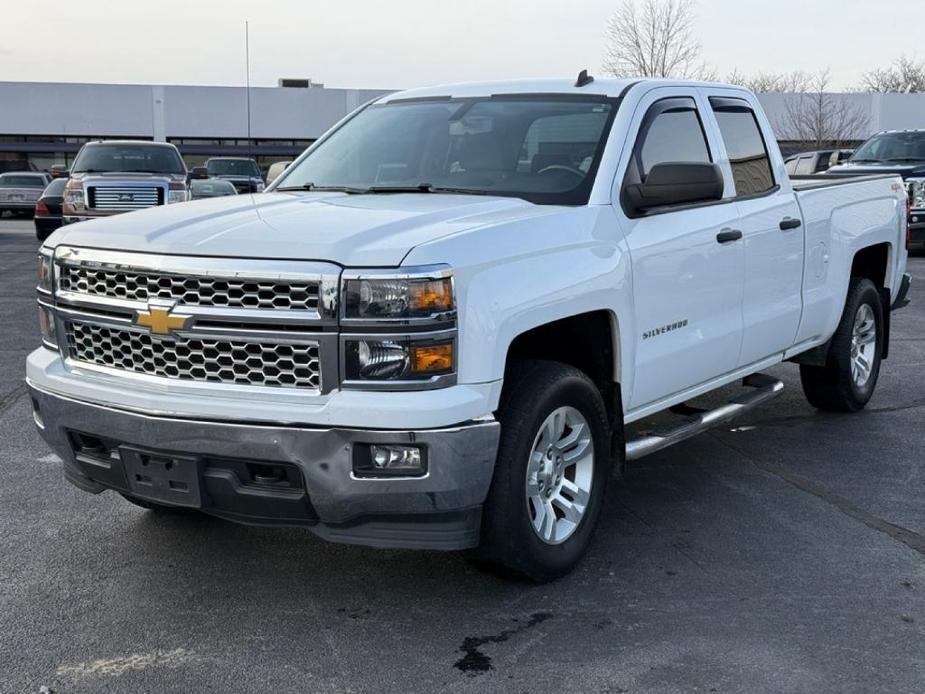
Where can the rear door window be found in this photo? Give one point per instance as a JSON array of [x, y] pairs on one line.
[[745, 146]]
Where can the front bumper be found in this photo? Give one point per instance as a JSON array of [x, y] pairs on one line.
[[438, 511]]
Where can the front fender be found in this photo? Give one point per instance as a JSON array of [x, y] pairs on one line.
[[523, 275]]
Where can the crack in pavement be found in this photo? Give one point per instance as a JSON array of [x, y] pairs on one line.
[[8, 400], [909, 538]]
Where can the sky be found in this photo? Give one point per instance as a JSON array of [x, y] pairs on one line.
[[407, 43]]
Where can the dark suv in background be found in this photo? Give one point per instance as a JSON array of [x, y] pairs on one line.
[[900, 152], [242, 172]]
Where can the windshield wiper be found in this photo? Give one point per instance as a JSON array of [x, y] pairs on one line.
[[325, 189], [865, 161], [424, 188], [905, 159]]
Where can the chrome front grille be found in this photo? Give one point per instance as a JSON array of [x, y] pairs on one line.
[[255, 328], [123, 198], [254, 363], [190, 291]]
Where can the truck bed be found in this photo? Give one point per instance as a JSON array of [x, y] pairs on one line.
[[811, 181]]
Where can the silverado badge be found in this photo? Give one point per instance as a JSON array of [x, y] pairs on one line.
[[160, 320]]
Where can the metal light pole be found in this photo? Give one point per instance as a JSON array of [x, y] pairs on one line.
[[247, 83]]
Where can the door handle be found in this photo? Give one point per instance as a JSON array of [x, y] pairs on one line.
[[728, 236], [787, 224]]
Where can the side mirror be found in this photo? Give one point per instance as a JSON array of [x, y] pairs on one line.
[[198, 173], [58, 171], [676, 183]]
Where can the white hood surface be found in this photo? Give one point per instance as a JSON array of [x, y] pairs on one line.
[[351, 230]]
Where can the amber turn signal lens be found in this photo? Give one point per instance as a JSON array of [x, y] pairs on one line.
[[432, 358], [433, 295]]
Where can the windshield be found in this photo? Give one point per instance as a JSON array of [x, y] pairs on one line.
[[109, 158], [892, 147], [543, 149], [13, 181], [233, 167]]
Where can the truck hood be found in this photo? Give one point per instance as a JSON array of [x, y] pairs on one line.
[[351, 230], [905, 170], [116, 176]]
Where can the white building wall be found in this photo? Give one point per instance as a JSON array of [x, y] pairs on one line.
[[118, 110], [172, 111]]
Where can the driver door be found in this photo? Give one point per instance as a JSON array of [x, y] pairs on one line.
[[687, 283]]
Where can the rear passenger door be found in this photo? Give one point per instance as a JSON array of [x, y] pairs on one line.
[[687, 285], [773, 235]]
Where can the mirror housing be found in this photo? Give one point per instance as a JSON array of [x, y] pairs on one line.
[[198, 173], [59, 171], [676, 183]]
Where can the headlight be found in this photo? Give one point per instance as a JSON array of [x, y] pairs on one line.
[[45, 271], [74, 196], [917, 193], [260, 186], [177, 196], [400, 298], [398, 328], [408, 358]]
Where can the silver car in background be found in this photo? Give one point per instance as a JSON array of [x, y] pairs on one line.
[[20, 190]]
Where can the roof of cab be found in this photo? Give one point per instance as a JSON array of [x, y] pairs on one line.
[[599, 87], [606, 87]]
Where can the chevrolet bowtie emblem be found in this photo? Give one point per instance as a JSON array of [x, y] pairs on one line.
[[160, 321]]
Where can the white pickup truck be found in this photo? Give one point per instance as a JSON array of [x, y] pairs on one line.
[[432, 329]]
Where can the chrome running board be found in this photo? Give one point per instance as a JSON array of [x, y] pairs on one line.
[[763, 387]]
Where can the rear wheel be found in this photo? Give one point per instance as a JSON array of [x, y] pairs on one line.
[[847, 381], [551, 474]]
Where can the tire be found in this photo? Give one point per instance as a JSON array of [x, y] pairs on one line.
[[840, 385], [156, 507], [538, 398], [42, 235]]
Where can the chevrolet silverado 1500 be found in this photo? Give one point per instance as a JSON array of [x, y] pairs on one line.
[[432, 329]]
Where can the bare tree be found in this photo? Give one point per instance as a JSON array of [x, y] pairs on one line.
[[772, 82], [655, 38], [819, 117], [904, 75]]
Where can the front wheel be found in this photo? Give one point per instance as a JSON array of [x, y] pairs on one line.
[[551, 474], [847, 381]]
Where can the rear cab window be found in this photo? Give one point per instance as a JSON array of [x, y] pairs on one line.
[[22, 181], [805, 166]]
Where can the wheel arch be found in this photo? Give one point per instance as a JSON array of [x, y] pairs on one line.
[[589, 341]]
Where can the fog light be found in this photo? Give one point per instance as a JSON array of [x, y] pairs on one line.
[[389, 460]]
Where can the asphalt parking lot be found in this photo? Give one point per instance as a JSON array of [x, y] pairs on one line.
[[786, 554]]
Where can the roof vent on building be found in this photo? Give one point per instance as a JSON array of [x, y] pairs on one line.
[[297, 83]]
